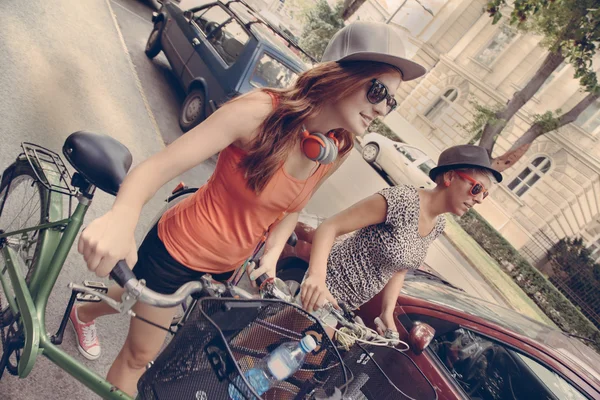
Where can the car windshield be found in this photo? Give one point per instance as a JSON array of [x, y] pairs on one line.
[[265, 32], [271, 73], [571, 348]]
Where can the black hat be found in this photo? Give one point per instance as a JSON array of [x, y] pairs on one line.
[[464, 156]]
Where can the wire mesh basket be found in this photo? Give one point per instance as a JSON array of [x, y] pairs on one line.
[[224, 338]]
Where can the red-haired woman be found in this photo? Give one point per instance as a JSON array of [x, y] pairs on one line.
[[272, 159]]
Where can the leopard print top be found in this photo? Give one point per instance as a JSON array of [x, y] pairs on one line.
[[360, 265]]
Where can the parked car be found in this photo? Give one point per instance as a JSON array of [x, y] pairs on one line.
[[218, 51], [401, 163], [479, 350]]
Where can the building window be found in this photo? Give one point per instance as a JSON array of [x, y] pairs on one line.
[[589, 119], [530, 175], [442, 103], [496, 46]]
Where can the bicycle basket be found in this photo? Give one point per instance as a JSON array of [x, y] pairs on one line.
[[224, 338], [382, 373]]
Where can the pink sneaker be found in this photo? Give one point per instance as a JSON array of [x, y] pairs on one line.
[[87, 339]]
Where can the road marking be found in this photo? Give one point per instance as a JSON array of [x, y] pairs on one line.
[[131, 12], [136, 78]]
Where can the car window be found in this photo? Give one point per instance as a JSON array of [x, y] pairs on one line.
[[410, 152], [486, 369], [223, 32], [271, 73], [427, 166]]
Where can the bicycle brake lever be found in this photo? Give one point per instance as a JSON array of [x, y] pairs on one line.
[[111, 302]]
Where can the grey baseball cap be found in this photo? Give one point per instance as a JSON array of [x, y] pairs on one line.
[[372, 41], [464, 156]]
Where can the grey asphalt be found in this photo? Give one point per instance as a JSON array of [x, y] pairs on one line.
[[65, 67]]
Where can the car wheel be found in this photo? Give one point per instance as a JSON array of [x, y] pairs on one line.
[[292, 271], [370, 152], [192, 111], [153, 46]]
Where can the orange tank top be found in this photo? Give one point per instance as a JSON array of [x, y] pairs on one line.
[[216, 229]]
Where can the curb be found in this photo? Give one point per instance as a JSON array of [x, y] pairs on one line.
[[485, 278], [136, 78]]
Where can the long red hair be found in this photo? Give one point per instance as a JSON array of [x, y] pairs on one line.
[[282, 128]]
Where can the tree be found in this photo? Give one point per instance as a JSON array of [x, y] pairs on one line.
[[350, 7], [573, 266], [321, 23], [571, 30]]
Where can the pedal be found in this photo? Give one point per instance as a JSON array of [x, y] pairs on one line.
[[88, 297], [98, 286]]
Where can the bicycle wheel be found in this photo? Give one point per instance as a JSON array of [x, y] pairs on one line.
[[26, 205]]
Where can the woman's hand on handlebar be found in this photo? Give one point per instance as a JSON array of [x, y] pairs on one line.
[[107, 240], [314, 293], [268, 265]]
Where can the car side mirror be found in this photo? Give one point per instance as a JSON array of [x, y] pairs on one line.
[[420, 336], [188, 15]]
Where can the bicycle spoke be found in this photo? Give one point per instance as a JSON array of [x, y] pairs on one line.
[[23, 209]]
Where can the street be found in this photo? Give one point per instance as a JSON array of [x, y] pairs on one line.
[[80, 65]]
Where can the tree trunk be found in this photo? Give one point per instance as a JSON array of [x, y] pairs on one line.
[[350, 7], [536, 130], [491, 131]]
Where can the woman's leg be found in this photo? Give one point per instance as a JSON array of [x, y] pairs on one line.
[[143, 343], [82, 319], [90, 311]]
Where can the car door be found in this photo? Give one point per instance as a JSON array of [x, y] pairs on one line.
[[479, 364], [400, 162], [177, 40], [221, 42], [418, 172]]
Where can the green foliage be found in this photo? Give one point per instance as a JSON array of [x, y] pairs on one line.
[[569, 27], [321, 23], [549, 120], [380, 127], [482, 115], [558, 308]]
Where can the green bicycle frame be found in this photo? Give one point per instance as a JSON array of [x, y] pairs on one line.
[[31, 301]]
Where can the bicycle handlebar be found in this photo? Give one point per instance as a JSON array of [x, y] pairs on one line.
[[121, 273]]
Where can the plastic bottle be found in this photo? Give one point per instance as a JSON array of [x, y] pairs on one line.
[[283, 362]]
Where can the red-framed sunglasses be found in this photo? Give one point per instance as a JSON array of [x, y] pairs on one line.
[[476, 188]]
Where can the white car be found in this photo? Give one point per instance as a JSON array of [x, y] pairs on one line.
[[402, 163]]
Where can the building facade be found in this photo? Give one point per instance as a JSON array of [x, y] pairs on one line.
[[554, 190]]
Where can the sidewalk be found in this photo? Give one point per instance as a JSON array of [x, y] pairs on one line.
[[490, 272]]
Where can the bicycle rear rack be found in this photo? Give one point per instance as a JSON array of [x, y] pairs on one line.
[[49, 168]]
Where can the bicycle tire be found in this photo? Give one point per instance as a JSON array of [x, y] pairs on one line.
[[16, 174]]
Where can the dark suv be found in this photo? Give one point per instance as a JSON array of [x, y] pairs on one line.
[[220, 50]]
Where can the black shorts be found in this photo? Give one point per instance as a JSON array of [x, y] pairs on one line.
[[162, 272]]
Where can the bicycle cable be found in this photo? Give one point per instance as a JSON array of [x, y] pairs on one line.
[[364, 332]]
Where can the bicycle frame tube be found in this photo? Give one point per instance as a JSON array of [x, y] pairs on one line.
[[31, 303], [50, 237]]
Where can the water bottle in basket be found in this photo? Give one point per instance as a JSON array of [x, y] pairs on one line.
[[283, 362]]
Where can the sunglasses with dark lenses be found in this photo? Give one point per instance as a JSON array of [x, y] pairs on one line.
[[476, 186], [379, 92]]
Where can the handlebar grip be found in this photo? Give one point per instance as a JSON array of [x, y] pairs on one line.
[[261, 279], [293, 239], [121, 273]]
